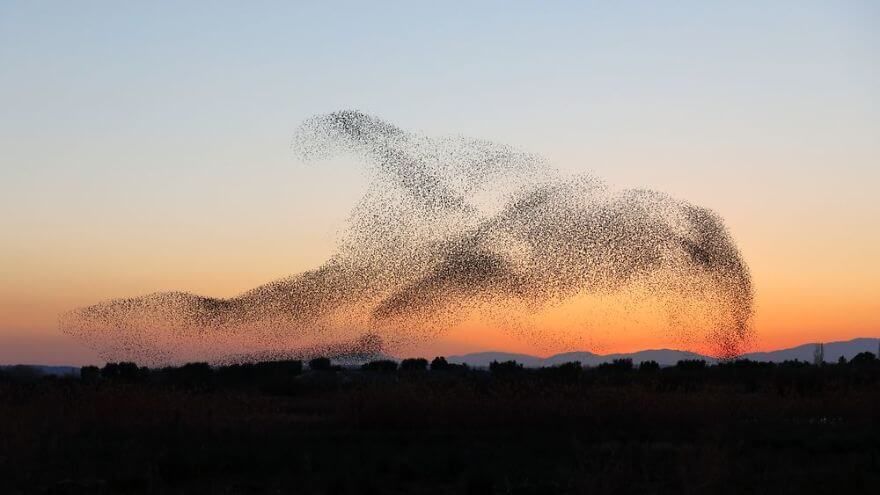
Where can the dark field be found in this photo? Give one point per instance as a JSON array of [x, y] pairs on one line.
[[733, 428]]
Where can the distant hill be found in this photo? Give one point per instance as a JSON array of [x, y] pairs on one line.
[[833, 351], [482, 359], [665, 357], [43, 370], [668, 357]]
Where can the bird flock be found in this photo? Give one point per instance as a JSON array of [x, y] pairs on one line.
[[451, 229]]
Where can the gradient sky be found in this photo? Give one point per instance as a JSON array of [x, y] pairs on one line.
[[146, 147]]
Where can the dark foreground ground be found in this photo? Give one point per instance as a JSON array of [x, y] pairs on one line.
[[734, 428]]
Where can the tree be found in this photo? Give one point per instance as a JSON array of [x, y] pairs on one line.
[[128, 371], [617, 365], [125, 371], [382, 365], [189, 376], [279, 369], [565, 372], [439, 363], [691, 365], [320, 364], [649, 366], [89, 374], [819, 354], [863, 358], [504, 367], [414, 364], [110, 371]]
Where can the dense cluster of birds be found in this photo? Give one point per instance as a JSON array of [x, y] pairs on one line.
[[448, 228]]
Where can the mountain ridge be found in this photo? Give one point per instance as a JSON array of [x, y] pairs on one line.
[[665, 357], [668, 357]]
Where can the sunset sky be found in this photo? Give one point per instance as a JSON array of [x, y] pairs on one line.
[[146, 147]]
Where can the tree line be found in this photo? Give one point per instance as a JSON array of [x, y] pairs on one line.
[[287, 376]]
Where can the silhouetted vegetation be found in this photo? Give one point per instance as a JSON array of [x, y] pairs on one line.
[[505, 368], [90, 374], [565, 372], [617, 365], [320, 364], [20, 373], [691, 365], [863, 358], [733, 427], [417, 364], [383, 365], [649, 366], [123, 371], [439, 364]]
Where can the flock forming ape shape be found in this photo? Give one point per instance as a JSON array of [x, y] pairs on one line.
[[449, 228]]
